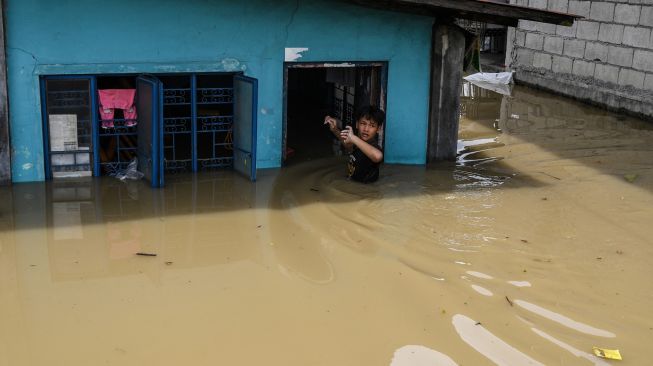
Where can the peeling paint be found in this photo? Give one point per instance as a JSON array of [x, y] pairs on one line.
[[231, 64], [28, 166], [294, 54]]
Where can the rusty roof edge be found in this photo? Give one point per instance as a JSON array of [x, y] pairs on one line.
[[485, 10]]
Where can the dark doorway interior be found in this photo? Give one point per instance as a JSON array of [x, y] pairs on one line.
[[314, 91]]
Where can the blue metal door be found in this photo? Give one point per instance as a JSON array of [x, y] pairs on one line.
[[150, 133], [244, 126]]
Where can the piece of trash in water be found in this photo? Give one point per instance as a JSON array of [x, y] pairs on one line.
[[168, 263], [509, 301], [315, 190], [630, 177], [612, 354], [515, 116], [146, 254]]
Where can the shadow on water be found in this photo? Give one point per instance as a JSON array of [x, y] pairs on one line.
[[548, 131], [495, 131]]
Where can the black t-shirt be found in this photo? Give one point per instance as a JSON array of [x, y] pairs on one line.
[[361, 168]]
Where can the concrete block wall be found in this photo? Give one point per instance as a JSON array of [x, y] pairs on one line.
[[605, 58]]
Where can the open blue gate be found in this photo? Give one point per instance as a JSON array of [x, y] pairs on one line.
[[244, 130], [150, 133]]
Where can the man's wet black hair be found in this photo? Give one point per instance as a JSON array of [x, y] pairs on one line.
[[371, 112]]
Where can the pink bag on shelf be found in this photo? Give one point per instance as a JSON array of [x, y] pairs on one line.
[[111, 99]]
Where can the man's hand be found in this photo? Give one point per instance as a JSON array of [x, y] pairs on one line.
[[347, 135], [332, 122]]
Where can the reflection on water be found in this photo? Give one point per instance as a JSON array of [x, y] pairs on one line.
[[307, 268]]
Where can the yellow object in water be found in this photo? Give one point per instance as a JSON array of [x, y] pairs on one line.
[[612, 354]]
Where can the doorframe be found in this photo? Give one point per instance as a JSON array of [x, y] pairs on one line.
[[323, 64]]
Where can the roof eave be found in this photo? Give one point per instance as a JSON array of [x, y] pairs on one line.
[[481, 10]]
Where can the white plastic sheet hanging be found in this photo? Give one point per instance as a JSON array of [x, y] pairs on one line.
[[500, 82]]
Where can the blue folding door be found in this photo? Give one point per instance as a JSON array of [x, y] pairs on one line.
[[244, 129], [150, 133]]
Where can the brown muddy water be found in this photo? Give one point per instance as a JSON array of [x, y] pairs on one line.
[[533, 248]]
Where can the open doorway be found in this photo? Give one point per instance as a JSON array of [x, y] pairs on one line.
[[315, 90]]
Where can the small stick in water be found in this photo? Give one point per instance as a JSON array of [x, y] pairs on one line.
[[509, 302], [146, 254]]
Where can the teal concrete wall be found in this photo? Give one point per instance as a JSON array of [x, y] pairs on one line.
[[47, 37]]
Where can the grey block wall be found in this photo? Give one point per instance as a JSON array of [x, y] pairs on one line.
[[604, 59]]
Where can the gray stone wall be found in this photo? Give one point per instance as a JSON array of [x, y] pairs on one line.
[[605, 58]]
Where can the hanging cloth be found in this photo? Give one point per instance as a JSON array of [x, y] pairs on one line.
[[112, 99]]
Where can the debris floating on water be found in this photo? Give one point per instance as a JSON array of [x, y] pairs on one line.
[[612, 354], [146, 254], [630, 177]]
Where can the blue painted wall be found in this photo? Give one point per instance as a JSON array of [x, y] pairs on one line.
[[47, 37]]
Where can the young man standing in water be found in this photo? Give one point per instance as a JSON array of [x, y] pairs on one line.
[[365, 155]]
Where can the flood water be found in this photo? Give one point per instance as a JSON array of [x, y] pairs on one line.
[[530, 250]]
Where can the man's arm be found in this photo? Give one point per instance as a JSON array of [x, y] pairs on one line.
[[348, 137]]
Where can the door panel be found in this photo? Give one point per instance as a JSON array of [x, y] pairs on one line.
[[150, 138], [244, 128]]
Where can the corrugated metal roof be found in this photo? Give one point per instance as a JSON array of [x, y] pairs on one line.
[[490, 11]]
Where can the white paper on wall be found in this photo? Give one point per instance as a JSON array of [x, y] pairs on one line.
[[63, 132]]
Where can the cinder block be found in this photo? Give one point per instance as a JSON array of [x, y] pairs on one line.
[[561, 65], [521, 38], [574, 48], [602, 11], [561, 30], [648, 82], [632, 78], [596, 51], [545, 28], [646, 17], [611, 33], [525, 56], [643, 60], [627, 14], [534, 41], [583, 68], [636, 36], [581, 8], [553, 45], [558, 5], [607, 73], [528, 25], [542, 60], [588, 30], [621, 56], [538, 4]]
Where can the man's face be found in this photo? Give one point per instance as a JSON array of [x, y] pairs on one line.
[[367, 129]]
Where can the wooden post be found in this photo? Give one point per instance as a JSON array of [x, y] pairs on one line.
[[448, 50], [5, 147]]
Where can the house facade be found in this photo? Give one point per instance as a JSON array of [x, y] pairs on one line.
[[253, 38], [208, 80]]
